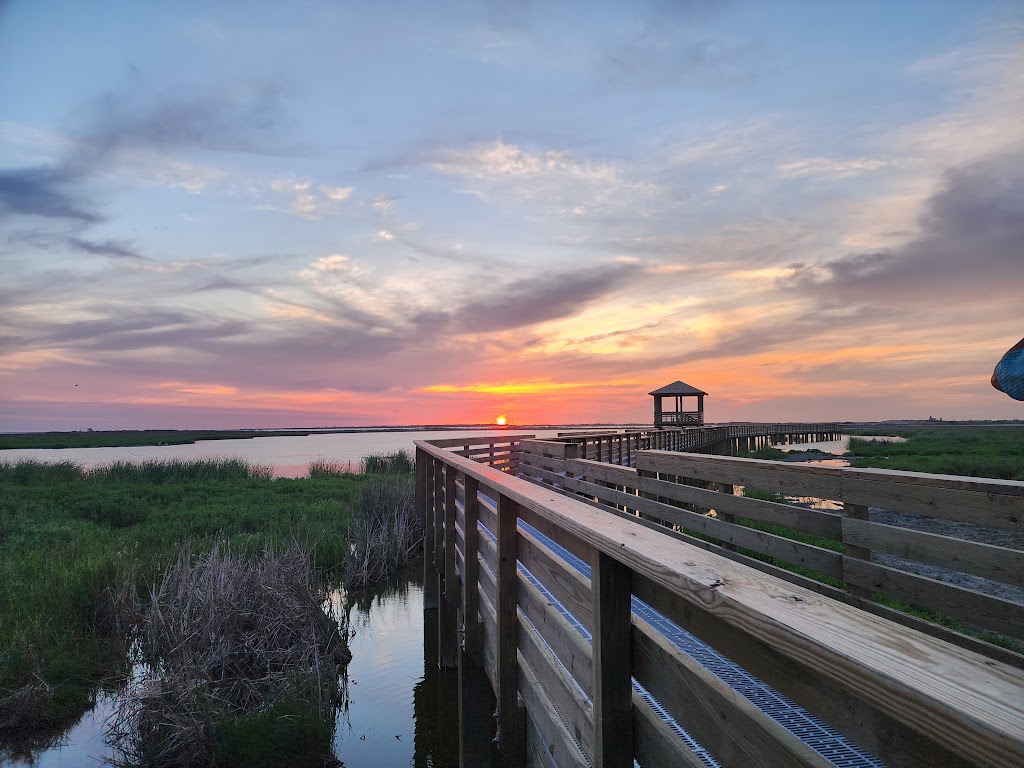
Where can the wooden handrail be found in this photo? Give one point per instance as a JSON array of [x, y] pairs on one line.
[[653, 490], [909, 698]]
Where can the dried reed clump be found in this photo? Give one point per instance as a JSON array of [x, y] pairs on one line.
[[222, 636], [385, 531]]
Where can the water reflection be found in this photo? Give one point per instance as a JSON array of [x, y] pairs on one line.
[[402, 709]]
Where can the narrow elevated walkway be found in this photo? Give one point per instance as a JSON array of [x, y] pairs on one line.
[[607, 639]]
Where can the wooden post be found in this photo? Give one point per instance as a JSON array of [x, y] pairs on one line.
[[856, 512], [729, 490], [471, 575], [448, 625], [511, 737], [438, 531], [429, 574], [611, 590]]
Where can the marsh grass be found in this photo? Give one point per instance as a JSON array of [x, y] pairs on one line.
[[764, 452], [385, 531], [70, 539], [320, 469], [397, 463], [993, 452]]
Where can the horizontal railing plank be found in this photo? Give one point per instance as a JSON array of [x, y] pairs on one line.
[[572, 650], [971, 606], [995, 510], [987, 560], [462, 442], [775, 476], [559, 745], [599, 470], [656, 744], [573, 707], [565, 583], [807, 555], [799, 518]]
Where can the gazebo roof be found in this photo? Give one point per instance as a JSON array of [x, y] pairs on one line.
[[677, 388]]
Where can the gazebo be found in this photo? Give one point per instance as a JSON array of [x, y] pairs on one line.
[[678, 417]]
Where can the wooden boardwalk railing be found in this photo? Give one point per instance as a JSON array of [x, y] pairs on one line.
[[501, 548], [833, 548], [621, 446]]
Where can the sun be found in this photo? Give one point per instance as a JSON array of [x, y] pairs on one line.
[[501, 421]]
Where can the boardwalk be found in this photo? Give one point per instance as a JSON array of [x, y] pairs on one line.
[[835, 685]]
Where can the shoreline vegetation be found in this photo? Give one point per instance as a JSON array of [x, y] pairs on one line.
[[77, 546], [156, 437]]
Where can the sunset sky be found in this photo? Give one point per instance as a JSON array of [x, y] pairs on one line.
[[242, 214]]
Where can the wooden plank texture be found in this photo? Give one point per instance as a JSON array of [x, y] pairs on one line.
[[971, 606], [573, 707], [566, 584], [778, 476], [954, 699], [897, 492], [572, 650], [799, 518], [992, 562], [471, 569], [656, 745], [511, 740], [897, 744], [613, 688], [734, 730], [558, 742]]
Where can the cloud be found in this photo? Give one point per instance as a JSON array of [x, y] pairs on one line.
[[970, 245], [236, 119], [108, 248], [48, 192], [824, 166], [133, 131], [558, 181], [308, 201], [498, 160], [543, 297]]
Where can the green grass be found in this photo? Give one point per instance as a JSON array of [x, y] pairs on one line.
[[993, 452], [397, 463], [764, 452], [67, 536]]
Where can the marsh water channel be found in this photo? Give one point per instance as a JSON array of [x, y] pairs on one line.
[[402, 709]]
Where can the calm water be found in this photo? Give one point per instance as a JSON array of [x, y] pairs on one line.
[[402, 710], [289, 456], [833, 446]]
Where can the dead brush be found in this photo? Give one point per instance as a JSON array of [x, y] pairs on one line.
[[385, 531], [221, 636]]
